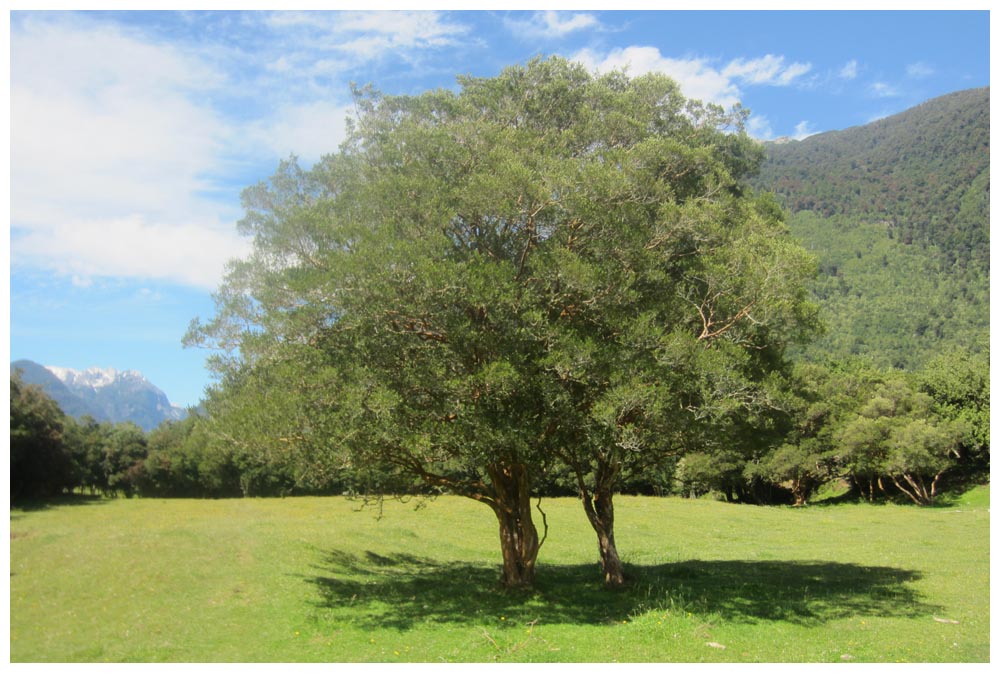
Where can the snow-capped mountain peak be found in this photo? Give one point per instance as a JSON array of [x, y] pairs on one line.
[[105, 394], [94, 377]]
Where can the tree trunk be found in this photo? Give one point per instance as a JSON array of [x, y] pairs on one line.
[[934, 485], [799, 491], [519, 542], [600, 509], [912, 495]]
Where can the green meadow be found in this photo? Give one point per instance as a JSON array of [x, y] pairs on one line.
[[315, 579]]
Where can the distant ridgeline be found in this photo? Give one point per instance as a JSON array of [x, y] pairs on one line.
[[897, 213], [103, 394]]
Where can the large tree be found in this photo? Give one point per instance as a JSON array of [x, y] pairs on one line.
[[543, 267]]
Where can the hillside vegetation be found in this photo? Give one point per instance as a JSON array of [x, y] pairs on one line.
[[923, 174], [897, 213]]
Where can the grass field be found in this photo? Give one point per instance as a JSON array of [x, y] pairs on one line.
[[311, 579]]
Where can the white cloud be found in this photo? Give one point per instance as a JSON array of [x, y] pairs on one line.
[[190, 253], [919, 70], [281, 65], [307, 130], [850, 70], [112, 154], [57, 52], [768, 69], [697, 77], [759, 127], [884, 90], [551, 24], [365, 35], [407, 28], [803, 130], [125, 147]]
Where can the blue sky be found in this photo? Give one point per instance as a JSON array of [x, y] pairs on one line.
[[133, 133]]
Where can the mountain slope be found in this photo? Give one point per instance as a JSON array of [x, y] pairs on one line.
[[104, 394], [68, 401], [923, 172], [897, 214]]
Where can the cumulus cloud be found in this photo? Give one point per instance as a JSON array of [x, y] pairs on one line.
[[109, 144], [129, 147], [123, 151], [190, 253], [698, 78], [308, 130], [758, 126], [551, 24]]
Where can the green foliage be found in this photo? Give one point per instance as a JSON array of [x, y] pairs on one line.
[[52, 453], [895, 210], [875, 427], [897, 437], [924, 173], [124, 453], [698, 473], [802, 466], [86, 439], [184, 461], [959, 383], [542, 268], [867, 286], [41, 463]]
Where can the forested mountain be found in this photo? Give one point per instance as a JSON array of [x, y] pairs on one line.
[[924, 174], [897, 212]]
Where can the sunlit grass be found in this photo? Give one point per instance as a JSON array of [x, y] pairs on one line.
[[311, 579]]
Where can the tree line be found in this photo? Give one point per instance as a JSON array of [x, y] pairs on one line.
[[882, 433], [54, 454]]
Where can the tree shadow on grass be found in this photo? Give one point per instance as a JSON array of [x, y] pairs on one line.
[[401, 591], [19, 507]]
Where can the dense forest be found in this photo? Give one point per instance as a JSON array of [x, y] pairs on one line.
[[891, 399], [923, 175], [897, 214]]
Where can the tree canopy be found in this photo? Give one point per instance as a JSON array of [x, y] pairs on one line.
[[542, 269]]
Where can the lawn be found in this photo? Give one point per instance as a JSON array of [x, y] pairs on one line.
[[312, 579]]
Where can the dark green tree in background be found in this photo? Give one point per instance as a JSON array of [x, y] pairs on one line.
[[41, 463], [544, 270], [898, 440], [959, 383], [125, 451]]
